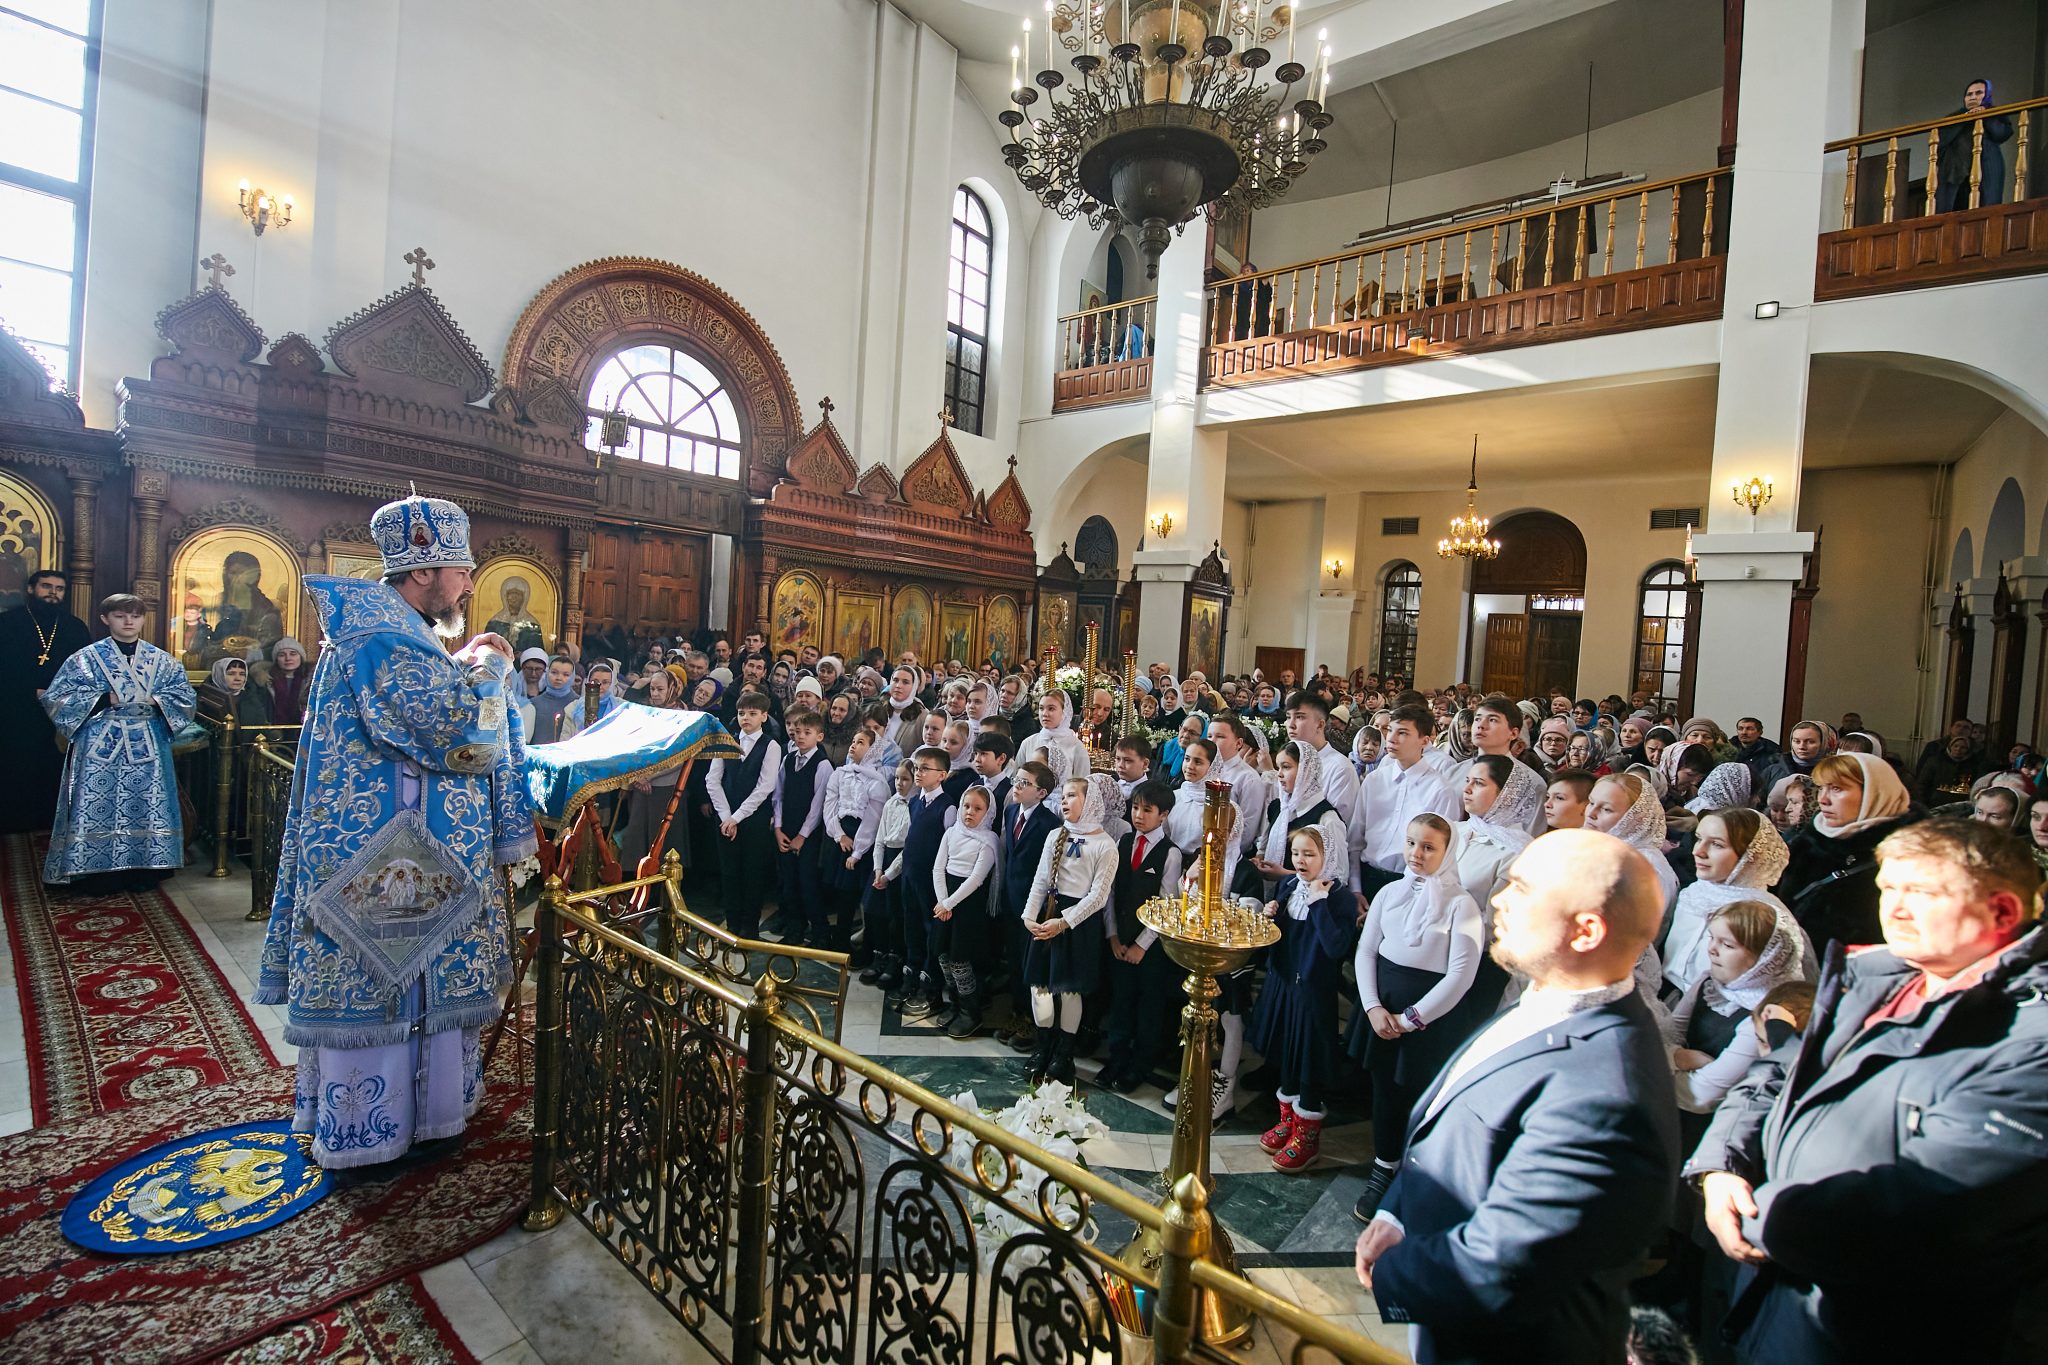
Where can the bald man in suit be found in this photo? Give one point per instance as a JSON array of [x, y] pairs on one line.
[[1542, 1162]]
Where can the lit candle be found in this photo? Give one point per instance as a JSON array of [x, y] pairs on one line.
[[1125, 34], [1290, 29], [1013, 66]]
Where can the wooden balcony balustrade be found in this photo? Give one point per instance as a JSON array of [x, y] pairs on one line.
[[1979, 215], [1646, 256], [1105, 355]]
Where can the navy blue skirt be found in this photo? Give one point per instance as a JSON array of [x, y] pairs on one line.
[[1295, 1028], [1071, 963], [834, 873], [1415, 1057]]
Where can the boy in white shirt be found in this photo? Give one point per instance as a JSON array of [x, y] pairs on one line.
[[741, 790]]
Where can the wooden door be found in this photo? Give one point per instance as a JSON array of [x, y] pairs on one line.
[[639, 577], [1270, 661], [1507, 652], [604, 584], [1553, 654]]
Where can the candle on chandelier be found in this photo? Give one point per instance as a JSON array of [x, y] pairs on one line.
[[1049, 37], [1322, 51], [1176, 23], [1027, 46], [1013, 66], [1290, 29]]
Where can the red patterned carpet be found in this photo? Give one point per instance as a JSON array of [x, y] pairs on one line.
[[120, 1004], [110, 1077]]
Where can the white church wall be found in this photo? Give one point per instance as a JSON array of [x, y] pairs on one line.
[[1277, 574], [1677, 139], [1115, 491]]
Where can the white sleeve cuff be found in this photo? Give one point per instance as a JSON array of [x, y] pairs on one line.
[[1382, 1216]]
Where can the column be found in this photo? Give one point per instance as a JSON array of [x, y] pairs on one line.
[[578, 538], [152, 487], [1800, 76], [1185, 475], [1334, 610], [85, 497]]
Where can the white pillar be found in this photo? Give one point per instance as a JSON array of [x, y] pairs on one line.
[[1800, 73], [1334, 610], [1185, 474]]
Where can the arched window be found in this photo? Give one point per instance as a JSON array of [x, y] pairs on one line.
[[967, 303], [1664, 635], [1400, 614], [677, 412]]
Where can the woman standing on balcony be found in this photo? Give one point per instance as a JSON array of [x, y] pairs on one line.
[[1955, 162]]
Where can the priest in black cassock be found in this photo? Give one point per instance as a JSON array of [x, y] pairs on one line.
[[35, 640]]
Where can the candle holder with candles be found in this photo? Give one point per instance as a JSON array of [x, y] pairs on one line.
[[1210, 934]]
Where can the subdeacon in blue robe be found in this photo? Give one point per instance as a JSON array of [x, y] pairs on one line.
[[117, 808], [388, 936]]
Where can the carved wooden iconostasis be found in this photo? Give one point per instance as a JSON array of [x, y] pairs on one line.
[[53, 470], [849, 561]]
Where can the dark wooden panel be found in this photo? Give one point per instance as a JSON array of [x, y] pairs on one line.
[[1507, 645], [1553, 654], [1125, 381], [1270, 659], [1949, 248], [1655, 296]]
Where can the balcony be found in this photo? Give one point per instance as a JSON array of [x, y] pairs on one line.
[[1648, 256], [1105, 356], [1974, 219]]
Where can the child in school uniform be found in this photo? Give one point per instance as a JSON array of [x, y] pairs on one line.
[[741, 792], [991, 760], [799, 808], [1030, 819], [1063, 961], [884, 907], [961, 875], [1295, 1027], [1142, 976], [933, 810], [1416, 959], [958, 742], [1132, 758], [855, 793]]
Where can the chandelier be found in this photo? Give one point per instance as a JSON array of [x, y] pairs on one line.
[[1467, 539], [1165, 112]]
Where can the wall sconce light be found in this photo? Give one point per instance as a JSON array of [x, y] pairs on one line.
[[611, 434], [1335, 567], [1161, 525], [1767, 310], [1752, 495], [263, 211]]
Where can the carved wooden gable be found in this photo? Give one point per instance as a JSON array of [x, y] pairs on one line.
[[211, 326], [406, 343], [936, 481], [295, 355], [820, 461], [549, 403], [878, 485], [1008, 509], [1062, 572], [1211, 571], [25, 392]]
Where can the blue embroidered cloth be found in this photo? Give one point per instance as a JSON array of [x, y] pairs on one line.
[[633, 741], [198, 1191], [118, 805]]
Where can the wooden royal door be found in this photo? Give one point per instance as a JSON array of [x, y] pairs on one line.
[[1507, 652], [1553, 654], [645, 578], [1270, 661]]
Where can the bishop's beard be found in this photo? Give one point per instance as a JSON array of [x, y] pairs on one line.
[[449, 624]]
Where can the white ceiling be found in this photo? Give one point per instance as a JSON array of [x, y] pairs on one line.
[[1858, 413]]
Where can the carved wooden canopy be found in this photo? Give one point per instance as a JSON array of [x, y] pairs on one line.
[[1540, 552], [406, 343], [934, 523], [42, 425], [583, 316]]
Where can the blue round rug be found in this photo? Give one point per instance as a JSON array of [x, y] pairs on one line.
[[199, 1191]]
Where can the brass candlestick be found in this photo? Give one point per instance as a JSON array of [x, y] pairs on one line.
[[1100, 759], [1210, 936]]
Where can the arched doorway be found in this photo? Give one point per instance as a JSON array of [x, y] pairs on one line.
[[1529, 604]]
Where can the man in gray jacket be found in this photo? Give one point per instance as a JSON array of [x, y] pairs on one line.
[[1888, 1186]]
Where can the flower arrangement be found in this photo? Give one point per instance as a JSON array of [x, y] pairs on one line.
[[524, 871], [1049, 1116], [1275, 730]]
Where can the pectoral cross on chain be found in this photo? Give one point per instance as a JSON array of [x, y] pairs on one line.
[[417, 259]]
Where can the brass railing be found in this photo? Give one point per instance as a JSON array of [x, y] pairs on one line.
[[1106, 335], [1683, 218], [216, 777], [270, 792], [729, 1170], [1872, 195]]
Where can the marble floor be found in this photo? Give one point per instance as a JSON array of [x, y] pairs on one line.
[[560, 1297]]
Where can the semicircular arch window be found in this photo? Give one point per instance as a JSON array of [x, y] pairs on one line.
[[678, 412]]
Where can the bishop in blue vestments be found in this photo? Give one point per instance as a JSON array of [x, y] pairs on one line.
[[388, 939], [118, 702]]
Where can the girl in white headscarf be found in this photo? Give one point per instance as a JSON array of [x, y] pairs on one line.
[[1501, 800], [1753, 947], [1303, 801], [1416, 959], [1054, 743], [1626, 806], [1063, 958], [1738, 856]]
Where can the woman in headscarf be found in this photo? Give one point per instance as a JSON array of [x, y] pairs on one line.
[[604, 673], [1753, 946], [1795, 800], [1727, 785], [782, 682], [1063, 955], [289, 678], [706, 695], [1303, 801], [840, 726], [1831, 883], [227, 693], [1631, 732], [1055, 744], [1737, 855], [1501, 800], [1266, 701], [1656, 740], [1458, 747], [1582, 752], [1171, 712]]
